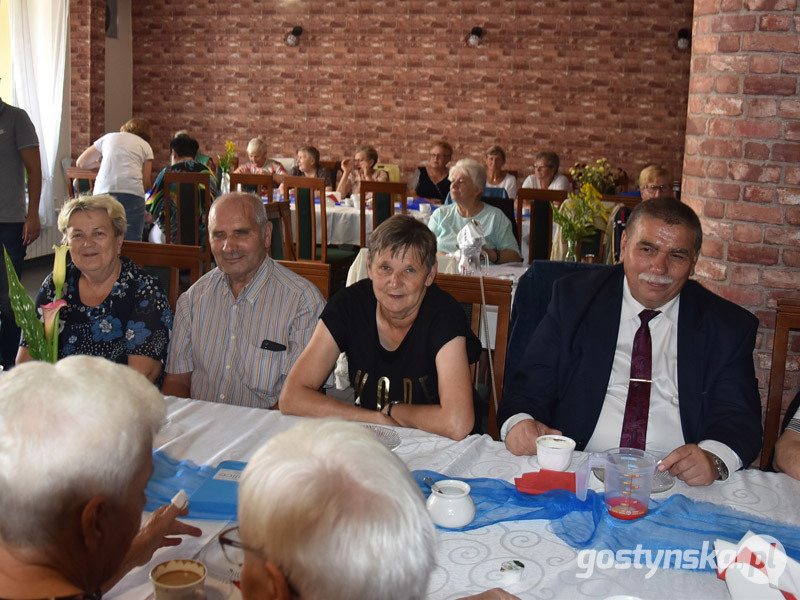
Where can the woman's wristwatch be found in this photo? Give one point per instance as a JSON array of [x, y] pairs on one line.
[[391, 404]]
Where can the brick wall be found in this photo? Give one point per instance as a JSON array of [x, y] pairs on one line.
[[742, 165], [586, 79], [87, 60]]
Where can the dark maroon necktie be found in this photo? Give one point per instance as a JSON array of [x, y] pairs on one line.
[[637, 407]]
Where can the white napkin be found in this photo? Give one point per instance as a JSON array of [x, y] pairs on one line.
[[757, 567]]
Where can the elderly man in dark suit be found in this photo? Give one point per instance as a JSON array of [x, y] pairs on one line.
[[637, 355]]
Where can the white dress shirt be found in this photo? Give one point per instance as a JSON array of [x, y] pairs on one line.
[[664, 433]]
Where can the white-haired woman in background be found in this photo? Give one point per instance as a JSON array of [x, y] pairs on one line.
[[467, 180], [258, 161], [76, 441]]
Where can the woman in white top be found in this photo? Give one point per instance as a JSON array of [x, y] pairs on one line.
[[546, 175], [496, 176], [125, 160], [358, 169]]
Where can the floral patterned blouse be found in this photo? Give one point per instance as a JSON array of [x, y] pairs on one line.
[[134, 319]]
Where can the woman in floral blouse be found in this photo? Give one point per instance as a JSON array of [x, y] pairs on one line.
[[114, 309]]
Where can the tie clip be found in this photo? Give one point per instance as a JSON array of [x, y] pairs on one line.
[[643, 380]]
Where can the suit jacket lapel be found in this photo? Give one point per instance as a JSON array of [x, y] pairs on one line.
[[691, 362]]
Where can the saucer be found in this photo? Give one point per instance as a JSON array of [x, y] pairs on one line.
[[387, 437]]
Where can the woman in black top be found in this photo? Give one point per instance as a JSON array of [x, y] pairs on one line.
[[408, 343]]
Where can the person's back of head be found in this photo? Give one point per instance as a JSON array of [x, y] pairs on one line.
[[337, 513], [184, 146], [80, 428]]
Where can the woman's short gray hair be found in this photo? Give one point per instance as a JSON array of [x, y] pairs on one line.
[[67, 436], [338, 513], [106, 202], [257, 146], [401, 233], [498, 150], [475, 170]]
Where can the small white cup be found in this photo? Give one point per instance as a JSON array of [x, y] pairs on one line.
[[554, 452], [179, 580], [452, 506], [337, 196], [424, 208]]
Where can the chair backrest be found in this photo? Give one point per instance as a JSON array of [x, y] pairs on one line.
[[318, 273], [531, 300], [467, 290], [787, 318], [191, 200], [259, 184], [384, 196], [305, 189], [392, 170], [629, 201], [541, 233], [80, 181], [280, 215], [165, 261], [495, 192], [507, 206]]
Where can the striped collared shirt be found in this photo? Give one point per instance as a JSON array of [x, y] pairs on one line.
[[218, 338]]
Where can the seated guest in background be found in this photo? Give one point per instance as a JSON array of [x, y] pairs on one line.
[[327, 511], [430, 181], [114, 309], [588, 368], [203, 159], [496, 176], [77, 440], [125, 162], [182, 151], [408, 343], [787, 448], [655, 182], [468, 178], [308, 166], [546, 175], [358, 169], [240, 328], [258, 160]]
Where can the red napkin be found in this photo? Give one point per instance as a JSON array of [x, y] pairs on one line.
[[542, 481]]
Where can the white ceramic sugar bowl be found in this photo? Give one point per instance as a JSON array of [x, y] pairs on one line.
[[451, 506]]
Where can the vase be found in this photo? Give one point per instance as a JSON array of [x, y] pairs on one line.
[[225, 183], [572, 251]]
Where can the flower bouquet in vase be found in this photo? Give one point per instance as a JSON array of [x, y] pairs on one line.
[[41, 335], [227, 162], [580, 217]]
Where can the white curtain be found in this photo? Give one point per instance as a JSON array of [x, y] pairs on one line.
[[39, 34]]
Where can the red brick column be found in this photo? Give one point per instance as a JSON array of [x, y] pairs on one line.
[[742, 157], [87, 59]]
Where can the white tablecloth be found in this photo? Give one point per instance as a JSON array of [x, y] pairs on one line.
[[468, 562]]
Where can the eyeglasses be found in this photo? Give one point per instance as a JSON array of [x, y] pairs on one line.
[[659, 188], [232, 547], [537, 167]]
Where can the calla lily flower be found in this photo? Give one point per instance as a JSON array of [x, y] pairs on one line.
[[49, 313], [60, 268]]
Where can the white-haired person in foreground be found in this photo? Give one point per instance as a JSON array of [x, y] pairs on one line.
[[327, 512], [75, 456]]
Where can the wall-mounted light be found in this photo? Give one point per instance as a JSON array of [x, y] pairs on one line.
[[683, 41], [294, 36], [475, 37]]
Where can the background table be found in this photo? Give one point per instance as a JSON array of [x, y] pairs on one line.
[[467, 562]]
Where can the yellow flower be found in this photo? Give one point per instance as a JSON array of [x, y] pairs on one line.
[[60, 268]]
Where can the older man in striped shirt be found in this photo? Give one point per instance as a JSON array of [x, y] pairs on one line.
[[239, 328]]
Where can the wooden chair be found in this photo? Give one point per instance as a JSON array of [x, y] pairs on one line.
[[392, 170], [165, 261], [190, 195], [80, 181], [384, 196], [787, 318], [628, 201], [259, 184], [540, 241], [318, 273], [280, 215], [467, 290]]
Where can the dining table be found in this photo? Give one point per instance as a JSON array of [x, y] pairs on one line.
[[467, 562]]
